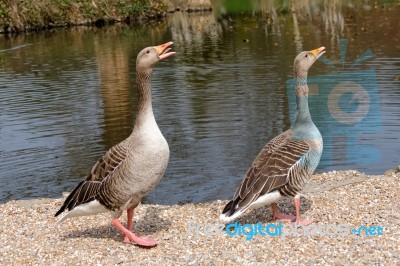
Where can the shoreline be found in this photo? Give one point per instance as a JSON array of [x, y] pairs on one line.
[[41, 15], [343, 197]]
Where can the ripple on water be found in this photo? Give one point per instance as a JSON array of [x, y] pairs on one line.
[[217, 102]]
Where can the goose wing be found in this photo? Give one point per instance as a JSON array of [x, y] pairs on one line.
[[108, 163], [271, 170], [103, 169]]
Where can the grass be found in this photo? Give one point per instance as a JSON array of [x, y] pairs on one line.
[[25, 15]]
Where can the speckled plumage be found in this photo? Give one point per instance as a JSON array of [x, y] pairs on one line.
[[285, 164], [129, 170]]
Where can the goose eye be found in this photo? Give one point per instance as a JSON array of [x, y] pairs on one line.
[[306, 55], [148, 51]]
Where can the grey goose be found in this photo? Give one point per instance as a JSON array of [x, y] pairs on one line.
[[286, 163], [129, 170]]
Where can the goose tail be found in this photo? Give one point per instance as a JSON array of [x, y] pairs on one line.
[[231, 211], [85, 209]]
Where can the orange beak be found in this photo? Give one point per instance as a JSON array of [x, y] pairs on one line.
[[163, 50], [318, 52]]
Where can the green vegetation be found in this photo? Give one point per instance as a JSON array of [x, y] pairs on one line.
[[25, 15], [128, 7]]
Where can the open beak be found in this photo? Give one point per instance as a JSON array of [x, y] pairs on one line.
[[163, 50], [318, 52]]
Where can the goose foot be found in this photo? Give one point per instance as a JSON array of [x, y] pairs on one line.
[[145, 241], [277, 215], [298, 220], [131, 238], [302, 223], [294, 220]]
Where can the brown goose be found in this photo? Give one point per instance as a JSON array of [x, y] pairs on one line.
[[130, 169], [285, 164]]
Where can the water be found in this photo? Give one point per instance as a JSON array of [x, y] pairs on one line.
[[70, 95]]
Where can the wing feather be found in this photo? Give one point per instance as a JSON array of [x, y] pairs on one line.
[[84, 192], [103, 169], [108, 163], [269, 171]]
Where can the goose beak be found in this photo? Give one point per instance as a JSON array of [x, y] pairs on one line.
[[318, 52], [163, 50]]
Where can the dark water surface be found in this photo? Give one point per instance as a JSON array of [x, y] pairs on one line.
[[70, 95]]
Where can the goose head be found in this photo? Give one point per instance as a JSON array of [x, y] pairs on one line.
[[306, 59], [149, 56]]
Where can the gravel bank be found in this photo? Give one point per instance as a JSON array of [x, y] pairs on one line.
[[29, 234]]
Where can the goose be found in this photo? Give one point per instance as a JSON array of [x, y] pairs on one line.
[[129, 170], [285, 163]]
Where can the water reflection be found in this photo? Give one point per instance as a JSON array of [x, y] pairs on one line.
[[71, 94], [113, 65]]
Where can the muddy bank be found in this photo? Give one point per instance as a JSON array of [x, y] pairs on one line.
[[30, 236]]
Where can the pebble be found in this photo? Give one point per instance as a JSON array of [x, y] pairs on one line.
[[30, 236]]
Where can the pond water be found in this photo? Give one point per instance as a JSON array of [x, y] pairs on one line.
[[69, 95]]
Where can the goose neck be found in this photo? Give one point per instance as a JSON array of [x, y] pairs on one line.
[[302, 110], [144, 109]]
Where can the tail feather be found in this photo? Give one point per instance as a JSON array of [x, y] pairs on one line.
[[68, 199], [227, 207], [89, 208], [65, 217], [238, 206], [231, 211], [81, 201], [84, 192]]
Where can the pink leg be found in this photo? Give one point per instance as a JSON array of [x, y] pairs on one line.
[[145, 241], [277, 215], [298, 220], [130, 224]]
